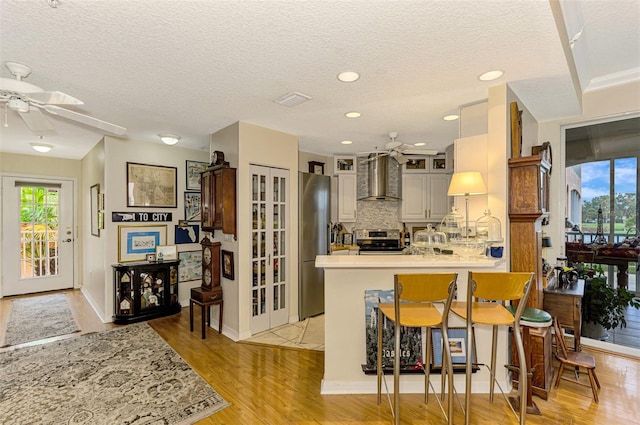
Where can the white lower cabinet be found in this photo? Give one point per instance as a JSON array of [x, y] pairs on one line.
[[347, 198], [424, 197]]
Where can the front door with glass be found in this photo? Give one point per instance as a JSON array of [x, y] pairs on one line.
[[38, 243]]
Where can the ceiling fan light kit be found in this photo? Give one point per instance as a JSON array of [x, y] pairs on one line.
[[169, 139], [29, 101]]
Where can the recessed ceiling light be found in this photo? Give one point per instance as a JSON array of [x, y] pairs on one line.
[[419, 144], [491, 75], [41, 147], [451, 117], [352, 114], [169, 139], [346, 142], [348, 76]]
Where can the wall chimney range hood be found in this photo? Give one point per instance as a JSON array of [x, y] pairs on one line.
[[378, 176]]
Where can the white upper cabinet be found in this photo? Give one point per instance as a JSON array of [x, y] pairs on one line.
[[425, 182], [347, 197]]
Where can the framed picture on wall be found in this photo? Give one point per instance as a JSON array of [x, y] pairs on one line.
[[95, 210], [194, 168], [227, 264], [135, 242], [151, 186], [192, 204]]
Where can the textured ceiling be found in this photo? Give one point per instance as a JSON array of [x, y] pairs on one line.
[[194, 67]]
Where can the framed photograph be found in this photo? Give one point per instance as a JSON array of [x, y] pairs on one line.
[[151, 186], [95, 209], [190, 267], [189, 233], [458, 344], [166, 252], [192, 203], [135, 242], [344, 165], [194, 168], [227, 264]]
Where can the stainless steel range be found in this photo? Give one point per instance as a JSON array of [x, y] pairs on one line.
[[378, 241]]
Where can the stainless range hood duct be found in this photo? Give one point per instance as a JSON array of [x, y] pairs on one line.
[[378, 169]]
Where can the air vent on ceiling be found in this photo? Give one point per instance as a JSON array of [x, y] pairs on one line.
[[292, 99]]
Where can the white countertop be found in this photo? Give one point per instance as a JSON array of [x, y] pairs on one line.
[[403, 261]]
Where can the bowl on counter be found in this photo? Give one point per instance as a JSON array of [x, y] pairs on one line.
[[468, 248]]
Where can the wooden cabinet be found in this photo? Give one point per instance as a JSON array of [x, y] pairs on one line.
[[347, 197], [537, 346], [566, 305], [218, 188], [528, 209], [145, 290], [424, 196]]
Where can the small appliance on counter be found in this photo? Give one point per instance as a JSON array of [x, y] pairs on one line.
[[378, 241]]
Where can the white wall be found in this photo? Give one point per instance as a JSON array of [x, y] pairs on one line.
[[117, 153], [613, 102]]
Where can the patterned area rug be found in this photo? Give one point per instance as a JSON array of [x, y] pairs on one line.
[[127, 375], [41, 317]]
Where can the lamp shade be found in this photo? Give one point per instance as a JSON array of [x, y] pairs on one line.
[[467, 183]]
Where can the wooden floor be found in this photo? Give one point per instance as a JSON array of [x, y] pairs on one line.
[[276, 385]]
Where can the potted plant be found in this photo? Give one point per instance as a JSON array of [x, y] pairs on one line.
[[603, 306]]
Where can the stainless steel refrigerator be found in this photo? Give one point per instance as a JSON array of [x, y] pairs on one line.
[[313, 233]]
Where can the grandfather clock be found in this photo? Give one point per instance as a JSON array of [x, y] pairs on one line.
[[528, 210]]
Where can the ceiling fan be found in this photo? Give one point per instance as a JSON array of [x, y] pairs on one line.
[[398, 150], [29, 101]]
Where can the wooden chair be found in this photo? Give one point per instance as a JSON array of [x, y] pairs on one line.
[[575, 360]]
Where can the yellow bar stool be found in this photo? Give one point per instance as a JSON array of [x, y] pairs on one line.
[[487, 294], [414, 295]]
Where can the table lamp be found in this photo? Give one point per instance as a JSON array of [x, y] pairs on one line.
[[467, 183]]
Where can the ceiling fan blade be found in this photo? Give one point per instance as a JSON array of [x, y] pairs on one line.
[[421, 151], [85, 119], [36, 120], [53, 98]]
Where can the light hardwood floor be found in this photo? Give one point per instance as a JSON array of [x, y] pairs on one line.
[[278, 385]]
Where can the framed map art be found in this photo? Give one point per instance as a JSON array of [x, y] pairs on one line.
[[151, 186]]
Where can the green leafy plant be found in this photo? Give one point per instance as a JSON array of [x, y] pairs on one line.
[[604, 305]]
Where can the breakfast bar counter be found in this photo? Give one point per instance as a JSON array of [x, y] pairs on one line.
[[345, 282]]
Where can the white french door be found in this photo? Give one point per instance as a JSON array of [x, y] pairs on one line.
[[270, 250], [38, 236]]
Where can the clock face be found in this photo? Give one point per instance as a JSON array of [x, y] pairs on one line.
[[206, 256], [207, 276]]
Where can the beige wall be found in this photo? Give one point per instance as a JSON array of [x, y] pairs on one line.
[[117, 152], [44, 165], [95, 270], [271, 148]]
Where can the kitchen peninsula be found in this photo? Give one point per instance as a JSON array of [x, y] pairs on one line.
[[345, 282]]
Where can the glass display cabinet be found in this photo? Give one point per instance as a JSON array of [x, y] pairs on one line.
[[145, 290]]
